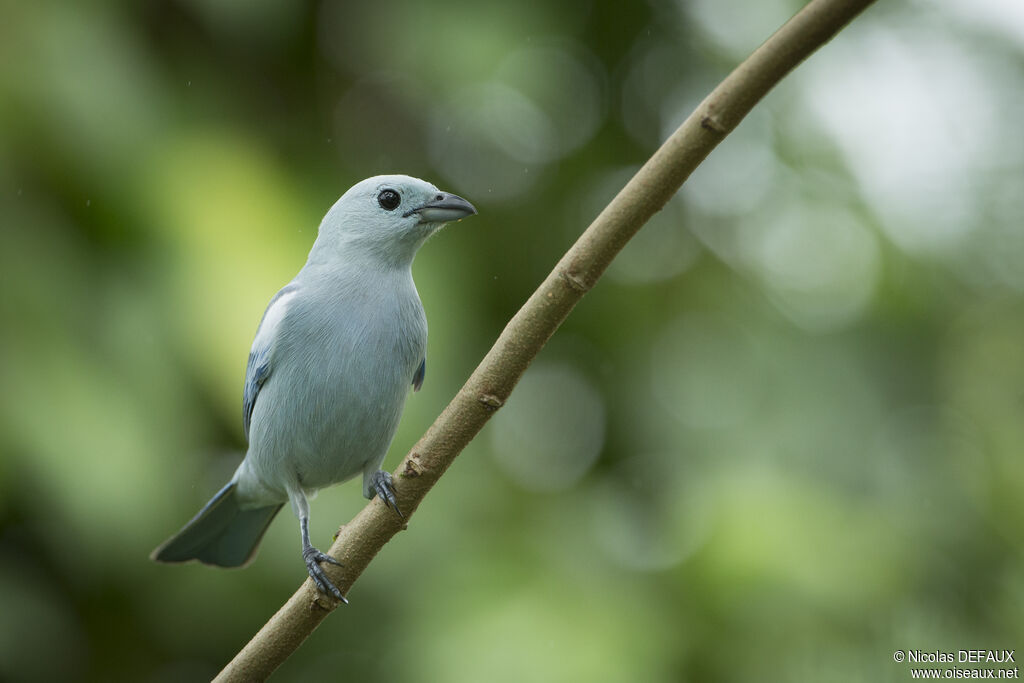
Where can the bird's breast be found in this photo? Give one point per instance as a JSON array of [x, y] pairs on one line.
[[342, 371]]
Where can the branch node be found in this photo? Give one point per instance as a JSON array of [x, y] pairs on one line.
[[412, 468], [575, 281], [490, 402], [315, 605], [711, 123]]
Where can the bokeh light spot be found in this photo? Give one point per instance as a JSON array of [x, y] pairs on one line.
[[552, 429]]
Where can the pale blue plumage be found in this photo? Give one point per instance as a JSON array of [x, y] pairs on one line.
[[332, 362], [259, 363]]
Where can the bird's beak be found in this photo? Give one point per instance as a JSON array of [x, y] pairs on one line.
[[443, 209]]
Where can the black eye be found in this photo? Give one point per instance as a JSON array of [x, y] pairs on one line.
[[389, 200]]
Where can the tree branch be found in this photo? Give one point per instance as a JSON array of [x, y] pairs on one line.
[[524, 336]]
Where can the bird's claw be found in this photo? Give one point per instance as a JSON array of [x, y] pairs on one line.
[[383, 486], [313, 558]]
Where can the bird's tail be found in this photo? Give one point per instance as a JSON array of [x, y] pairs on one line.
[[222, 533]]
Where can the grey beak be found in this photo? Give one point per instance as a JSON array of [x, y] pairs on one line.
[[444, 208]]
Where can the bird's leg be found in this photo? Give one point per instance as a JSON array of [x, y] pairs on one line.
[[311, 555], [381, 485]]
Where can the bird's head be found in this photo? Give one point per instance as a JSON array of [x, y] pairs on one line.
[[388, 217]]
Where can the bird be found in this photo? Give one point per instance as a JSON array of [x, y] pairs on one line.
[[334, 358]]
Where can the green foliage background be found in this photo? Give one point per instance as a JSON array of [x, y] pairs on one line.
[[780, 440]]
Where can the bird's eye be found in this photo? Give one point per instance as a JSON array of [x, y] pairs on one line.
[[389, 200]]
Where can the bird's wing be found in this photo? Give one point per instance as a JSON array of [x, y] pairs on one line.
[[421, 372], [261, 354]]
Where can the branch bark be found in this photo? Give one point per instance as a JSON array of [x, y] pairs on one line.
[[576, 273]]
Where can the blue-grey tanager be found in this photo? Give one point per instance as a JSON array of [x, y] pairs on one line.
[[329, 371]]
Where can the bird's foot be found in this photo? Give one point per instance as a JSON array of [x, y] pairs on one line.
[[384, 487], [313, 558]]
